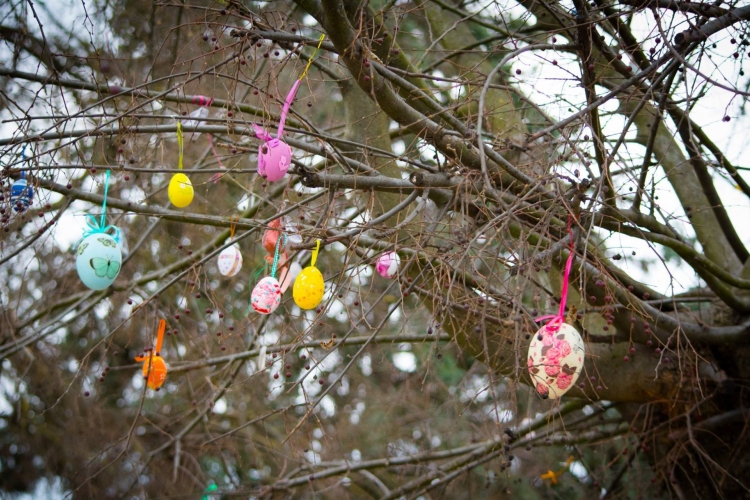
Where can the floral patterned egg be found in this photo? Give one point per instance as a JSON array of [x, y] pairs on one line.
[[388, 264], [308, 288], [180, 190], [230, 261], [266, 295], [274, 159], [98, 260], [555, 360]]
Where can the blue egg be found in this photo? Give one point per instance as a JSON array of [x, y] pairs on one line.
[[98, 260], [21, 195]]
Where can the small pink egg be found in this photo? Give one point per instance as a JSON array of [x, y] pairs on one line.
[[274, 159], [266, 295], [388, 264]]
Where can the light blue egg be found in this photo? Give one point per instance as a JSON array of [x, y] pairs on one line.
[[98, 260]]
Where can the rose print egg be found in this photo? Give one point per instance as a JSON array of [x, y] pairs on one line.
[[98, 260], [388, 264], [555, 361], [308, 288], [180, 190], [230, 261], [266, 295], [274, 159]]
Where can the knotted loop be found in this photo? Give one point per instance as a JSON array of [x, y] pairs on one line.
[[94, 226]]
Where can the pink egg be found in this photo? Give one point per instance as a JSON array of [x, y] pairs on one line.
[[266, 295], [274, 159], [555, 360], [388, 264]]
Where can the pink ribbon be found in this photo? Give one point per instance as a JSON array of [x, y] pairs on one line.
[[557, 320], [261, 133], [202, 100]]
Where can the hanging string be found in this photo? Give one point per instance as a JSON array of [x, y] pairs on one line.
[[94, 226], [180, 144], [309, 62], [557, 320], [315, 253], [215, 178], [235, 218]]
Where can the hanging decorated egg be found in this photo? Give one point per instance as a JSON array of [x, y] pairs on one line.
[[274, 159], [154, 366], [388, 264], [266, 295], [21, 195], [308, 288], [98, 260], [555, 361], [180, 190], [154, 371], [230, 260]]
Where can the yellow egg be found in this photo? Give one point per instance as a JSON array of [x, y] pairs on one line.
[[180, 190], [308, 288]]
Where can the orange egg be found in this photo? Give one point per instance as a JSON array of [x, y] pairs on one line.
[[155, 371], [154, 366]]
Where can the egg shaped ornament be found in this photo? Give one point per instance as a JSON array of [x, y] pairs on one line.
[[21, 195], [555, 360], [180, 190], [274, 159], [309, 288], [98, 260], [155, 372], [230, 261], [266, 295], [388, 264]]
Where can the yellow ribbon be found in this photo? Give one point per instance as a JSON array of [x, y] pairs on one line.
[[309, 62], [180, 143], [235, 218], [315, 253], [552, 476]]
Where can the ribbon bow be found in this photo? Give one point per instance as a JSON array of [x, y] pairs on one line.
[[100, 226], [95, 227]]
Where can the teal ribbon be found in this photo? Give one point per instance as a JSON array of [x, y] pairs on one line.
[[95, 227], [211, 488], [261, 269], [100, 226], [276, 256]]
